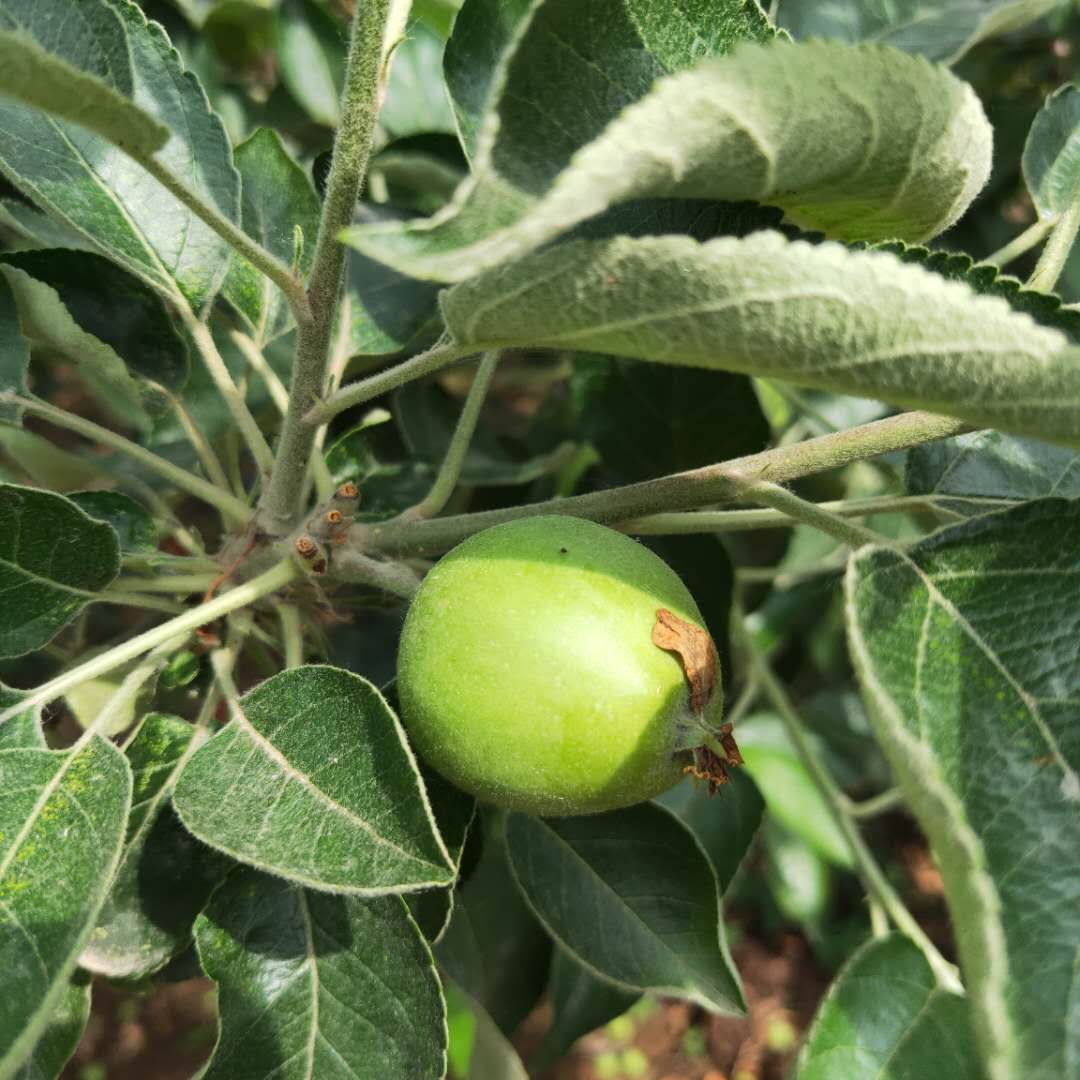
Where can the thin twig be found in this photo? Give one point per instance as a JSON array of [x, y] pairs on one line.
[[1022, 244], [1058, 247], [292, 634]]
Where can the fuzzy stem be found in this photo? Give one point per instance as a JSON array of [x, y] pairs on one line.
[[681, 491], [179, 584], [391, 577], [273, 579], [440, 355], [292, 634], [232, 507], [211, 463], [352, 147], [1058, 247], [454, 458], [816, 516], [877, 804], [1022, 244]]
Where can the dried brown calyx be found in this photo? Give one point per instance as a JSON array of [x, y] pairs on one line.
[[701, 664]]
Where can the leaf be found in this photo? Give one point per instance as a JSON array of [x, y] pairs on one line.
[[1051, 161], [53, 559], [630, 895], [57, 1043], [278, 198], [165, 876], [134, 526], [44, 81], [14, 354], [816, 315], [938, 29], [581, 1003], [675, 142], [724, 824], [78, 177], [62, 817], [494, 948], [991, 465], [316, 986], [312, 779], [311, 52], [415, 99], [44, 463], [23, 730], [492, 1056], [885, 1018], [972, 689], [78, 302], [799, 879]]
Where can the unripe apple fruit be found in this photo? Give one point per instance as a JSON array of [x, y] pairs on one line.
[[528, 673]]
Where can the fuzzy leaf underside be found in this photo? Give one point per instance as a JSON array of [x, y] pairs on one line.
[[966, 650], [908, 149], [822, 316], [1051, 161]]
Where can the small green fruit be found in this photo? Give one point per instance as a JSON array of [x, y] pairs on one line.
[[528, 675]]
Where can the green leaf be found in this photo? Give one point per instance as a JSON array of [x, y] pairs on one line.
[[492, 1056], [45, 81], [988, 464], [135, 527], [165, 876], [580, 1003], [1051, 159], [972, 691], [938, 29], [494, 948], [885, 1018], [44, 463], [724, 824], [14, 353], [278, 198], [77, 176], [912, 184], [62, 816], [311, 52], [816, 315], [312, 779], [415, 97], [311, 985], [632, 896], [57, 1043], [23, 730], [53, 559], [799, 879]]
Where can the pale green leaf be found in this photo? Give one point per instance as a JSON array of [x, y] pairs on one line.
[[278, 198], [860, 323], [53, 559], [938, 29], [493, 1056], [312, 779], [799, 879], [416, 99], [966, 651], [317, 987], [311, 53], [885, 1018], [62, 816], [23, 730], [87, 183], [43, 462], [14, 353], [908, 149], [632, 896], [57, 1043], [1051, 159], [165, 876]]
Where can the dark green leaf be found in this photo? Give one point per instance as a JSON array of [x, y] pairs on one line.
[[311, 52], [1052, 153], [965, 647], [632, 896], [165, 876], [319, 987], [135, 528], [277, 199], [53, 559], [312, 779], [62, 816], [14, 353], [57, 1043], [885, 1018]]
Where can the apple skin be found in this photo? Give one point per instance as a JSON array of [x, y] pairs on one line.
[[527, 674]]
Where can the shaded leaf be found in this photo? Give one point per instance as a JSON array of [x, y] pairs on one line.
[[53, 559], [165, 876], [415, 96], [676, 142], [23, 730], [311, 985], [62, 816], [1051, 159], [972, 691], [492, 1055], [319, 746], [57, 1043], [799, 879], [631, 895], [134, 526], [311, 52], [44, 463], [277, 198], [816, 315], [14, 353], [885, 1018]]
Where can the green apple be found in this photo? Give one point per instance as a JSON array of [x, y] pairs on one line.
[[528, 675]]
